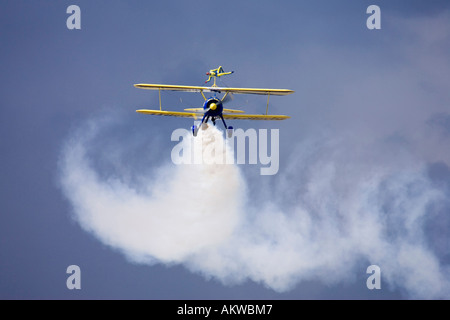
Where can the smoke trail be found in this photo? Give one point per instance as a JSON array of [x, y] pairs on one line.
[[378, 216], [184, 210], [318, 227]]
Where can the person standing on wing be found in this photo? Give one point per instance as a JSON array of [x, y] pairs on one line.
[[216, 73]]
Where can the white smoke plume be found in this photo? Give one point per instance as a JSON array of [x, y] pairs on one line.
[[186, 209], [318, 227]]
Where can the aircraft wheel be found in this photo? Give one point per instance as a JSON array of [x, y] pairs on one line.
[[194, 130], [230, 132]]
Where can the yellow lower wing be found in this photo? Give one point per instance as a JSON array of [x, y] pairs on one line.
[[195, 109], [226, 116], [171, 113], [233, 111]]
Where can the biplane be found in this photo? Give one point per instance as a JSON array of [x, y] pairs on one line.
[[213, 107]]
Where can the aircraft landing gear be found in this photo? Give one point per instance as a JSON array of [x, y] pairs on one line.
[[230, 131], [194, 130]]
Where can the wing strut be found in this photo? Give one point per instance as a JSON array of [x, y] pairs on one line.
[[160, 99], [267, 108], [201, 91]]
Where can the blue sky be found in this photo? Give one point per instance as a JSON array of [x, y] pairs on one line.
[[364, 159]]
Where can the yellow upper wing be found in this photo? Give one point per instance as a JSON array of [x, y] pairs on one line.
[[277, 92], [255, 117], [224, 110]]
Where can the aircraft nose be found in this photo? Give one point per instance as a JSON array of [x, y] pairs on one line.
[[213, 106]]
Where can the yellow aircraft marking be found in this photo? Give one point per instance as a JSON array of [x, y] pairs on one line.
[[278, 92]]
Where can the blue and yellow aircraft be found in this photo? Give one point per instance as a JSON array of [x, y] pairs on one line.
[[213, 107]]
